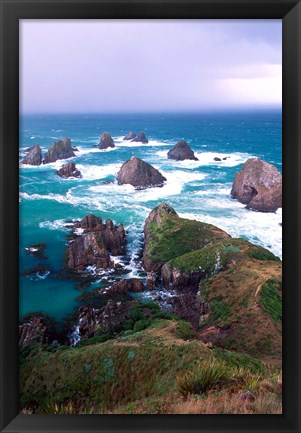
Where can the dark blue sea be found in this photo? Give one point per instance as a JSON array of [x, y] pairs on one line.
[[196, 189]]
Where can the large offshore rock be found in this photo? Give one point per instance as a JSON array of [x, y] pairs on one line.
[[61, 149], [140, 138], [33, 156], [258, 185], [181, 151], [130, 135], [140, 174], [106, 141]]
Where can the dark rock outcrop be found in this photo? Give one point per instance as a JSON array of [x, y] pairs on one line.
[[140, 138], [92, 243], [104, 320], [32, 332], [36, 329], [61, 149], [88, 250], [152, 280], [130, 135], [258, 185], [69, 170], [106, 141], [124, 286], [187, 306], [217, 159], [33, 156], [140, 174], [181, 151]]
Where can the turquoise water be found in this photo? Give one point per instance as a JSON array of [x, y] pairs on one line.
[[196, 189]]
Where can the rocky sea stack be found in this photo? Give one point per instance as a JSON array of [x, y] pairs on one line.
[[69, 170], [61, 149], [130, 135], [258, 185], [106, 141], [140, 137], [198, 263], [93, 242], [33, 156], [181, 151], [140, 174]]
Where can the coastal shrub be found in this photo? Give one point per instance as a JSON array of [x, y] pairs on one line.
[[270, 299], [239, 360], [260, 253], [141, 324], [94, 340], [184, 330], [208, 375]]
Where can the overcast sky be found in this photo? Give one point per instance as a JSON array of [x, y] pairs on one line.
[[149, 65]]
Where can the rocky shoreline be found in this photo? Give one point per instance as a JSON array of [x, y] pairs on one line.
[[180, 257]]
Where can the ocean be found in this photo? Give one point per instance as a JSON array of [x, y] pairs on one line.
[[195, 189]]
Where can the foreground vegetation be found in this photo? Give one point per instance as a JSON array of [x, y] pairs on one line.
[[149, 371]]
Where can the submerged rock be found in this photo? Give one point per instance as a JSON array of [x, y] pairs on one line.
[[33, 156], [140, 174], [140, 137], [69, 170], [258, 185], [181, 151], [61, 149], [130, 135], [106, 141], [37, 250]]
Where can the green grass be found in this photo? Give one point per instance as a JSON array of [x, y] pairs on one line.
[[271, 299], [220, 310], [184, 330], [177, 236]]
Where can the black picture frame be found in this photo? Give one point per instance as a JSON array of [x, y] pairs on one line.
[[14, 10]]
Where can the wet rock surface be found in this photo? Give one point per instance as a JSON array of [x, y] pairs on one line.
[[69, 170]]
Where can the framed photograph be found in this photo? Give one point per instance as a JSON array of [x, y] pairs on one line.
[[150, 251]]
